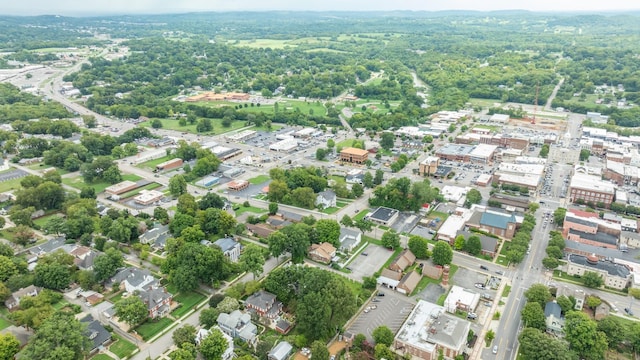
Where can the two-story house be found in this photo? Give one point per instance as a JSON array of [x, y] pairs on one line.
[[13, 301], [238, 325], [133, 279], [553, 318], [156, 237], [326, 199], [323, 252], [230, 248], [349, 238], [158, 301], [264, 304]]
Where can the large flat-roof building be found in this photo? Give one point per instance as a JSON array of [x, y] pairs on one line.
[[429, 330], [429, 166], [121, 187], [354, 155], [384, 216], [242, 135], [169, 164], [148, 197], [590, 188], [454, 152], [615, 275]]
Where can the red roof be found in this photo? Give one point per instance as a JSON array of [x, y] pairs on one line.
[[584, 214]]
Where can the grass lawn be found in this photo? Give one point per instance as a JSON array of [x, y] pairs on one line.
[[79, 183], [506, 291], [187, 302], [338, 179], [102, 357], [151, 164], [152, 327], [241, 210], [43, 220], [259, 179], [345, 143], [173, 124], [60, 304], [330, 210], [13, 184], [122, 347], [117, 297], [502, 260], [360, 215], [4, 323], [427, 280]]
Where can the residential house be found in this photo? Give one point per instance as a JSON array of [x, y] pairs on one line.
[[157, 236], [389, 278], [554, 319], [577, 294], [260, 230], [133, 279], [158, 301], [48, 247], [264, 304], [281, 351], [349, 239], [83, 257], [326, 199], [409, 282], [323, 252], [13, 301], [230, 248], [403, 261], [238, 325], [489, 245], [98, 335], [228, 352]]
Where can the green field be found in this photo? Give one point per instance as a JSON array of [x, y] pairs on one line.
[[262, 43], [4, 323], [151, 164], [173, 124], [121, 347], [360, 215], [486, 103], [13, 184], [43, 220], [79, 183], [241, 210], [259, 179], [152, 327], [102, 357], [187, 302], [283, 105]]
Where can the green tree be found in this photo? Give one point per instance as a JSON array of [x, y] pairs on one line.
[[252, 260], [319, 350], [88, 192], [419, 247], [364, 225], [273, 208], [183, 354], [227, 305], [387, 140], [584, 154], [346, 221], [156, 123], [209, 317], [328, 230], [60, 337], [382, 351], [357, 190], [593, 302], [616, 329], [383, 335], [106, 265], [533, 316], [535, 345], [558, 216], [52, 276], [473, 197], [377, 179], [132, 310], [550, 263], [442, 253], [538, 293], [177, 185], [544, 151], [473, 245], [390, 239], [7, 268], [367, 180], [459, 242], [489, 336], [533, 207], [9, 346], [583, 336], [565, 303], [303, 197], [592, 279], [213, 346], [184, 334], [321, 154]]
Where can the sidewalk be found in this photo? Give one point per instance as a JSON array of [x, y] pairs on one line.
[[476, 353]]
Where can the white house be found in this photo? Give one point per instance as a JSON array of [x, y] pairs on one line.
[[203, 333], [349, 238], [326, 199], [230, 248]]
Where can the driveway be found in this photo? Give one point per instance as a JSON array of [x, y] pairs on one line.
[[392, 310], [366, 265]]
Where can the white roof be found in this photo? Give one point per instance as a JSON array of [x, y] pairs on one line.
[[148, 195], [454, 223], [453, 193], [522, 179], [591, 183], [284, 145], [483, 151], [461, 295], [522, 169]]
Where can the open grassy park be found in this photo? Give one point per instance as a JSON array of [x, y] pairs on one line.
[[173, 124], [79, 183]]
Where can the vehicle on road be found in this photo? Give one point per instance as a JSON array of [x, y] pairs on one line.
[[365, 253], [479, 286], [500, 272], [495, 349], [484, 267], [380, 294], [628, 311]]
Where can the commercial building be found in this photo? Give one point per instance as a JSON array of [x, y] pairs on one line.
[[615, 275], [493, 222], [224, 153], [460, 298], [383, 216], [208, 181], [148, 197], [429, 166], [121, 187], [238, 185], [354, 155], [588, 228], [454, 152], [169, 164], [622, 174], [241, 136], [454, 223], [499, 118], [590, 188], [522, 175], [429, 331], [285, 145]]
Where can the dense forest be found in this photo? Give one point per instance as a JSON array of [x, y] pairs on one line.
[[509, 57]]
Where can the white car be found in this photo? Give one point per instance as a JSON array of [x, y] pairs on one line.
[[495, 349]]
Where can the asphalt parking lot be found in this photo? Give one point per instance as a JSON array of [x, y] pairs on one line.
[[405, 223], [366, 265], [12, 174], [392, 310]]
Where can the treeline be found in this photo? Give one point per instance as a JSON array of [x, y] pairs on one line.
[[17, 105]]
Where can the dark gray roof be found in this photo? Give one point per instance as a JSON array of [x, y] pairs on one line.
[[328, 194], [488, 243], [383, 214], [261, 299], [48, 246], [153, 297], [134, 276], [576, 220], [552, 308], [95, 332], [606, 265], [226, 244], [599, 237]]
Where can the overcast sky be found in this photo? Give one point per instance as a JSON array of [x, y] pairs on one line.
[[94, 7]]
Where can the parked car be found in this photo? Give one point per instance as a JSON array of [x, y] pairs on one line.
[[365, 253], [479, 286], [381, 294], [628, 311], [495, 349]]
